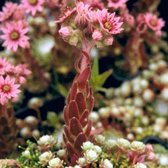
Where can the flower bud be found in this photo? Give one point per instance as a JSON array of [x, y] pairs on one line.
[[94, 117], [97, 35], [31, 120], [108, 41], [65, 32]]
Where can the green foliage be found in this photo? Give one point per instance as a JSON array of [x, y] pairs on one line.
[[33, 159], [53, 120], [98, 80]]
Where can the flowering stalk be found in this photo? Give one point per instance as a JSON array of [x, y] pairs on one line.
[[79, 104]]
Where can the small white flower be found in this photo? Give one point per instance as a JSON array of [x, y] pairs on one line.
[[91, 156], [61, 152], [137, 146], [97, 149], [87, 145], [123, 143], [55, 163], [45, 157], [46, 141], [107, 164], [140, 165], [82, 162], [110, 143], [100, 139]]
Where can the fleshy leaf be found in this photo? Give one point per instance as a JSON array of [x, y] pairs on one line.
[[75, 126]]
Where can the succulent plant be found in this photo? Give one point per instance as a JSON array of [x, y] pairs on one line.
[[78, 106]]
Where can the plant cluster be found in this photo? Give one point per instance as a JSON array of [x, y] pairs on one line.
[[41, 37]]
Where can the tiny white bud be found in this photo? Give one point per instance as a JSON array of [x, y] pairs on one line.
[[31, 120], [144, 83], [36, 133], [138, 102], [148, 95], [25, 132], [126, 89], [104, 112], [94, 117], [139, 130]]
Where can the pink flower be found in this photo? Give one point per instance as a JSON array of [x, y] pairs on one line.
[[129, 19], [109, 22], [14, 35], [7, 11], [153, 22], [33, 6], [8, 89], [116, 3], [94, 4], [82, 14], [4, 66]]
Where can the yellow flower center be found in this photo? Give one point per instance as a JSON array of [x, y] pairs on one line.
[[108, 25], [153, 22], [14, 35], [33, 2], [6, 88]]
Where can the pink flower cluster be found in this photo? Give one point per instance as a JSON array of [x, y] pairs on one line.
[[116, 4], [151, 21], [86, 22], [147, 154], [33, 6], [11, 78], [13, 23]]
